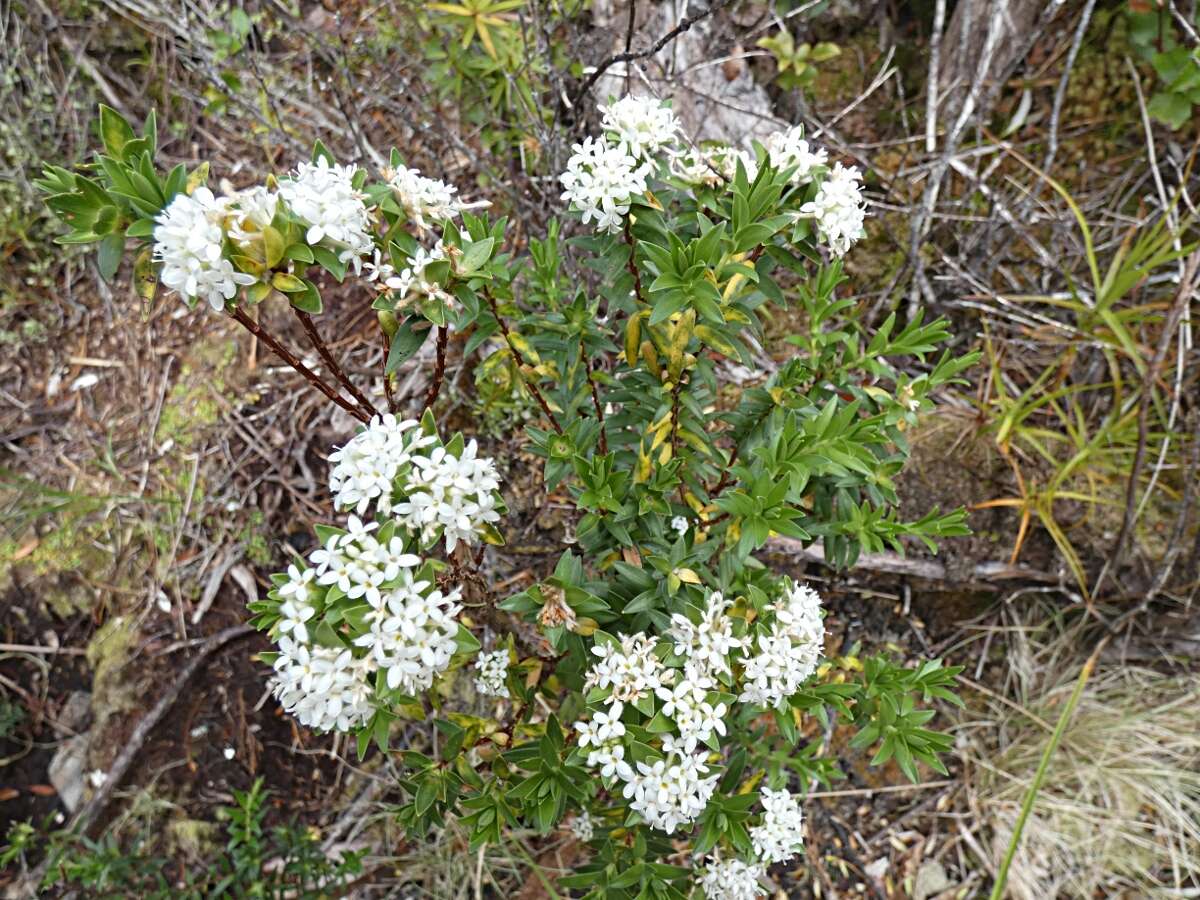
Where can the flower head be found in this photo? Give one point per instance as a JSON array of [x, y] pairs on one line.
[[426, 201], [781, 834], [189, 243], [323, 195], [448, 496], [732, 879], [601, 180], [492, 669], [839, 208], [640, 125]]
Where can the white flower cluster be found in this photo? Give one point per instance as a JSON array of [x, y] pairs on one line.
[[451, 496], [706, 645], [674, 790], [426, 201], [323, 195], [668, 792], [412, 278], [671, 792], [401, 629], [440, 494], [732, 880], [324, 688], [583, 826], [781, 834], [786, 656], [364, 470], [787, 149], [492, 669], [254, 208], [189, 242], [839, 208], [409, 629], [640, 125], [601, 179]]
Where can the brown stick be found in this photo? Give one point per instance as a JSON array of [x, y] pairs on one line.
[[439, 370], [630, 56], [521, 363], [290, 358], [310, 328]]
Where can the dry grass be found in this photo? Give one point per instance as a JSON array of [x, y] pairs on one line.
[[1119, 813]]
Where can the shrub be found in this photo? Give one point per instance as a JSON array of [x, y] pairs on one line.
[[654, 688]]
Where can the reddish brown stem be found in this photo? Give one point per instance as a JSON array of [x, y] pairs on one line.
[[632, 264], [587, 367], [290, 358], [310, 328], [521, 364], [387, 378], [439, 371]]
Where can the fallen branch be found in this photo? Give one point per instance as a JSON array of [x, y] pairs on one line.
[[894, 563]]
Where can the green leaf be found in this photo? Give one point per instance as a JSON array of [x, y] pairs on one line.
[[308, 300], [115, 132], [407, 341], [475, 255], [1172, 109], [288, 284], [112, 248]]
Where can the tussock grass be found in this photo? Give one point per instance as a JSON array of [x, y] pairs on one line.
[[1119, 811]]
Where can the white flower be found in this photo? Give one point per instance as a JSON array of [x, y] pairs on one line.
[[412, 279], [711, 165], [608, 725], [839, 208], [365, 468], [680, 524], [633, 671], [583, 826], [493, 670], [781, 660], [424, 200], [601, 179], [378, 271], [298, 584], [781, 834], [609, 758], [323, 195], [295, 609], [412, 634], [788, 149], [709, 643], [640, 125], [253, 210], [324, 688], [189, 242], [732, 880], [448, 496], [670, 793]]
